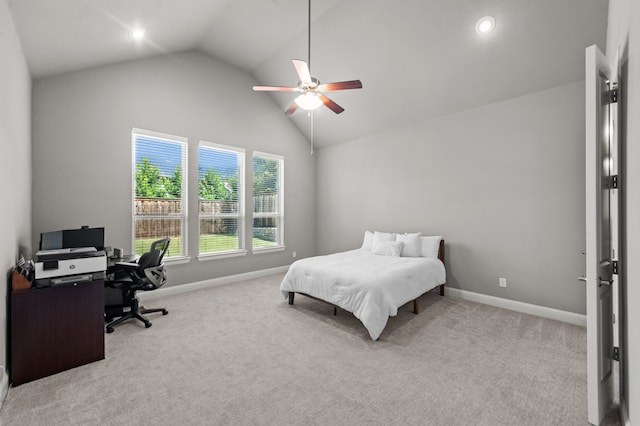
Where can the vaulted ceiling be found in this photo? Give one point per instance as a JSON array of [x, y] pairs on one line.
[[417, 59]]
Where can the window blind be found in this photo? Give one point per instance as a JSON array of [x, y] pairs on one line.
[[159, 191], [268, 220], [220, 198]]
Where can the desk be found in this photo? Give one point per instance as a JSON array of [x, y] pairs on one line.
[[55, 329], [129, 258]]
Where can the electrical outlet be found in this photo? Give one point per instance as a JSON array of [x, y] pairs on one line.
[[294, 254], [502, 282]]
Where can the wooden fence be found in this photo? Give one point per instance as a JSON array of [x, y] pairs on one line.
[[153, 215], [265, 203], [148, 226]]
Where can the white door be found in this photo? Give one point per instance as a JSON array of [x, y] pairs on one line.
[[601, 141]]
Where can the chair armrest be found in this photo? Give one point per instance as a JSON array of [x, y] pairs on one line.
[[127, 264], [125, 267]]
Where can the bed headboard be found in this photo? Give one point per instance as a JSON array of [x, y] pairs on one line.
[[441, 251]]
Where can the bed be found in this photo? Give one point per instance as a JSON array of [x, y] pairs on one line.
[[368, 282]]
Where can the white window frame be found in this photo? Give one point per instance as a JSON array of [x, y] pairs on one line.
[[184, 216], [279, 216], [240, 216]]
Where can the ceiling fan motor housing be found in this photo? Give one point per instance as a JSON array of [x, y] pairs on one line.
[[309, 87]]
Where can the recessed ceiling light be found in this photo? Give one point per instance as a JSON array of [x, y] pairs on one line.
[[485, 25], [137, 33]]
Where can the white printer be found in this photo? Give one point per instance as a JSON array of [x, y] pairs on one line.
[[63, 260]]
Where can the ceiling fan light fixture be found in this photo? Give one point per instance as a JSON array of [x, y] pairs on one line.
[[308, 101]]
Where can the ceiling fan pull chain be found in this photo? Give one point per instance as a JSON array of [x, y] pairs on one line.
[[311, 114]]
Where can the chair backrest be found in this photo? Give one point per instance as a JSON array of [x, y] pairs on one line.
[[161, 245], [148, 259]]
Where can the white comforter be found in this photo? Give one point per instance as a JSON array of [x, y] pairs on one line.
[[370, 286]]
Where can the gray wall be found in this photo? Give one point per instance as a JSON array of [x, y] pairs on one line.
[[15, 152], [504, 185], [82, 148], [623, 32]]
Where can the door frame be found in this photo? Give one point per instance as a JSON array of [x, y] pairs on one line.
[[600, 295]]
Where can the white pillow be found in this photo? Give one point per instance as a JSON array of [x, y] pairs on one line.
[[431, 246], [378, 237], [412, 244], [388, 248], [367, 243]]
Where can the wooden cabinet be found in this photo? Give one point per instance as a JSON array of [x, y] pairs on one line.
[[56, 328]]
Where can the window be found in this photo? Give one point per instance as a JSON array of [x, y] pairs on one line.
[[221, 199], [268, 172], [159, 191]]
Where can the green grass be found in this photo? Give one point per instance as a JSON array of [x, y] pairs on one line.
[[220, 241]]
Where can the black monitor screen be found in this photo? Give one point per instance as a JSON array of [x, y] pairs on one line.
[[71, 238], [85, 237]]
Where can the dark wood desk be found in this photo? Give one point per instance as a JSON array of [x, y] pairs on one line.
[[55, 329]]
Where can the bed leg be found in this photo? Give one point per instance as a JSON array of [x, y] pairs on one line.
[[441, 289], [335, 311], [291, 294], [415, 306]]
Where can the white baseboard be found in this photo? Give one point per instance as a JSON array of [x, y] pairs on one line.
[[499, 302], [514, 305], [183, 288], [4, 385]]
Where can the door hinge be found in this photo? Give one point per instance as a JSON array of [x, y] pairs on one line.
[[614, 181], [611, 96], [614, 267], [616, 353]]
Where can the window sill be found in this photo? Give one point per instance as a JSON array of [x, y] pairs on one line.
[[268, 249], [177, 260], [221, 255]]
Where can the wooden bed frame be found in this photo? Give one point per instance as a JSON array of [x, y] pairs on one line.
[[415, 301]]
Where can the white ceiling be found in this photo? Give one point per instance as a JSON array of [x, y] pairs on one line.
[[417, 59]]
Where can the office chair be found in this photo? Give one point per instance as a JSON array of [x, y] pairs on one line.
[[148, 273]]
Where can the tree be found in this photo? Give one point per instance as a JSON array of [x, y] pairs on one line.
[[213, 186], [173, 184], [210, 185], [150, 182], [265, 176]]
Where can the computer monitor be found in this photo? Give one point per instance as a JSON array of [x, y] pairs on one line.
[[70, 238], [84, 237], [51, 240]]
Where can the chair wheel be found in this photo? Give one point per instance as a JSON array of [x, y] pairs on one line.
[[165, 312], [147, 324], [109, 329]]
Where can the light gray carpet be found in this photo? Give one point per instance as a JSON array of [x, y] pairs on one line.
[[240, 355]]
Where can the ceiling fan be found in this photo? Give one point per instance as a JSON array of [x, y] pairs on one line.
[[312, 91]]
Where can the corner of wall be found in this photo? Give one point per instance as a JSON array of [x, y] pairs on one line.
[[624, 414], [4, 385]]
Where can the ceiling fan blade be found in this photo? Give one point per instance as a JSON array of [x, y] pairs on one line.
[[292, 108], [303, 71], [275, 89], [340, 85], [331, 104]]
